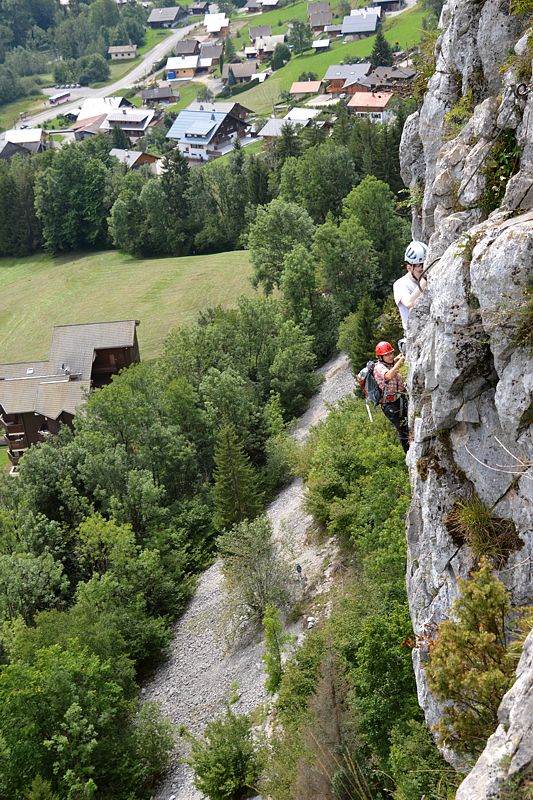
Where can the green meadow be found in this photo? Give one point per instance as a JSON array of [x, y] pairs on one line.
[[41, 291]]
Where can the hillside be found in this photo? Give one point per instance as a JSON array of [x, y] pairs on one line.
[[406, 29], [162, 293]]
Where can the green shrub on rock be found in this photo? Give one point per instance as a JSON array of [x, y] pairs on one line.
[[470, 663]]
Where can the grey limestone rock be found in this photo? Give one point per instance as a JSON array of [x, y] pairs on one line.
[[471, 386], [475, 42], [471, 389]]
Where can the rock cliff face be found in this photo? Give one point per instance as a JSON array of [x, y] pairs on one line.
[[471, 384]]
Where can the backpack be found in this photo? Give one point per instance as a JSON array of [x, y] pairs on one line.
[[368, 384]]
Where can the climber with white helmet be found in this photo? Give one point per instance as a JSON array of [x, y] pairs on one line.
[[410, 286], [393, 396]]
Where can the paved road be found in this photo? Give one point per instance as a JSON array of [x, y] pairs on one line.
[[140, 71]]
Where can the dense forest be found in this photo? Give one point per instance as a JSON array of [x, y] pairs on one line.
[[81, 197]]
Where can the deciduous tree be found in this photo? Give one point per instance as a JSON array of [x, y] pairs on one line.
[[300, 36], [348, 264], [371, 203], [71, 201], [280, 56], [276, 229], [256, 573]]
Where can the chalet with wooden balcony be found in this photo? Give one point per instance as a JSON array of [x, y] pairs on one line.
[[36, 397], [345, 79]]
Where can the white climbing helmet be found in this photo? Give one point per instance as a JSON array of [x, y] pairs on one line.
[[416, 252]]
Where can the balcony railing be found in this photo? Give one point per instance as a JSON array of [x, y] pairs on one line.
[[12, 427], [16, 454], [16, 441]]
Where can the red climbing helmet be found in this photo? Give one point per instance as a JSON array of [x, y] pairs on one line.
[[383, 348]]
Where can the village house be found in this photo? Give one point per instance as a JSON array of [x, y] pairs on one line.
[[296, 117], [346, 78], [85, 128], [210, 55], [36, 397], [216, 25], [100, 105], [134, 159], [10, 149], [204, 131], [252, 7], [187, 47], [33, 140], [361, 25], [373, 105], [200, 8], [260, 30], [319, 21], [364, 12], [159, 95], [166, 17], [180, 67], [317, 8], [394, 78], [320, 45], [122, 52], [300, 88], [134, 122], [264, 46], [255, 6], [233, 108], [389, 5], [241, 72]]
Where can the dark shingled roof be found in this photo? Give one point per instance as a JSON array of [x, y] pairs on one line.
[[170, 14], [187, 47], [45, 387], [246, 70]]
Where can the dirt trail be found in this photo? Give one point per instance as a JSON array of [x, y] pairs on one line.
[[192, 686]]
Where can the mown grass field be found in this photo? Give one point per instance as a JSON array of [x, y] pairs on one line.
[[406, 29], [187, 93], [4, 460], [41, 291], [10, 112]]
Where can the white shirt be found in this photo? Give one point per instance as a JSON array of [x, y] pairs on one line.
[[402, 288]]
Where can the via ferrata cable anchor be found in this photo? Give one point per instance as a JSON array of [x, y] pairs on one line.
[[521, 90]]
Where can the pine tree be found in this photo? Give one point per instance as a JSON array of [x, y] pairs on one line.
[[470, 663], [236, 491], [357, 333], [231, 78], [381, 52], [229, 49], [119, 139]]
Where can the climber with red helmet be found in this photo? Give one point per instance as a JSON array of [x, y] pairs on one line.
[[410, 286], [393, 397]]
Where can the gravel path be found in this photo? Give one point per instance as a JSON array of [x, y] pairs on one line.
[[199, 674]]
